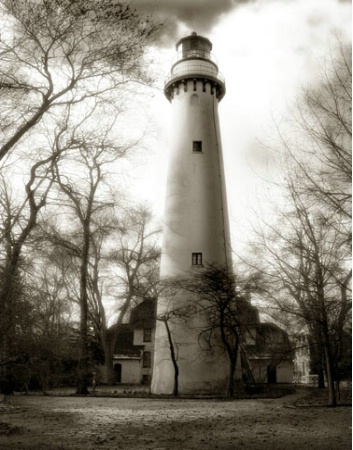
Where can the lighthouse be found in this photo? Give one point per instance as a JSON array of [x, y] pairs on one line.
[[196, 225]]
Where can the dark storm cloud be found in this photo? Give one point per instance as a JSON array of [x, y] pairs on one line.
[[198, 15]]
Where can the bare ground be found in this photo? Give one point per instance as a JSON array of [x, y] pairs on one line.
[[93, 423]]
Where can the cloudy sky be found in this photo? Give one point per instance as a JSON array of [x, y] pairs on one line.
[[267, 50]]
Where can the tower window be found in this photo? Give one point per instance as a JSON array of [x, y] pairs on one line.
[[194, 99], [196, 259], [197, 146]]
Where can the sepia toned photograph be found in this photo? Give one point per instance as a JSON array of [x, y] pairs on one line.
[[175, 224]]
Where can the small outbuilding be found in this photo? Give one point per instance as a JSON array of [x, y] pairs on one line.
[[133, 355]]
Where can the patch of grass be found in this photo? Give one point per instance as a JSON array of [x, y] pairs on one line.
[[319, 397]]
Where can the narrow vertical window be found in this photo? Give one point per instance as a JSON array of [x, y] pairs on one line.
[[147, 335], [196, 259], [197, 146], [146, 360]]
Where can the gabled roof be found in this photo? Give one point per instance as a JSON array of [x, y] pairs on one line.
[[144, 314], [125, 341], [271, 340]]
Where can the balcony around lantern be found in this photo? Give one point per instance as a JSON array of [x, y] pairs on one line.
[[190, 69]]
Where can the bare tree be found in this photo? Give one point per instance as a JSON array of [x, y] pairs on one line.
[[94, 152], [305, 274], [321, 152], [304, 255], [19, 219], [133, 260], [35, 327], [60, 53], [49, 344], [56, 56], [174, 313], [122, 270], [226, 312], [165, 319]]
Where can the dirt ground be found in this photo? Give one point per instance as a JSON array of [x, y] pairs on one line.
[[93, 423]]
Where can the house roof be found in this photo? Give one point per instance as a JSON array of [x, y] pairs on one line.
[[144, 314], [270, 340], [125, 342]]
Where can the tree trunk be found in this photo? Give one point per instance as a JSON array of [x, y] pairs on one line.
[[8, 311], [173, 358], [230, 387], [82, 375], [321, 378], [108, 376], [332, 401]]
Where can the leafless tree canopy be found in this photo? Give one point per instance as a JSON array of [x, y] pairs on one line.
[[64, 52], [67, 70], [302, 259]]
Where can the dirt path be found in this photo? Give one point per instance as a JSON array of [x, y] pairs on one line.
[[53, 423]]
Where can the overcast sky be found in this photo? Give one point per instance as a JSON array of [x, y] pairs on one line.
[[267, 50], [200, 15]]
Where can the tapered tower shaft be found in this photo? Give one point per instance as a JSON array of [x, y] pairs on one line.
[[196, 228]]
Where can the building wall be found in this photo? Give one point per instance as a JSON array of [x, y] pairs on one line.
[[131, 370], [285, 372], [259, 370], [196, 216], [196, 220], [142, 338], [201, 371]]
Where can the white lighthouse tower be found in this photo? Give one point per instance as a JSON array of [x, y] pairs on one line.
[[196, 227]]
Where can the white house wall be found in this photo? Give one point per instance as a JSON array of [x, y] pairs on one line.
[[131, 370]]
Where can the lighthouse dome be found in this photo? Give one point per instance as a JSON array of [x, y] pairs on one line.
[[194, 46]]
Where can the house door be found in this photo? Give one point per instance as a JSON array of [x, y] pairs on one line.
[[117, 372], [271, 375]]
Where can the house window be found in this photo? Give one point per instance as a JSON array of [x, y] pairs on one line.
[[146, 379], [147, 335], [197, 146], [146, 361], [196, 259]]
